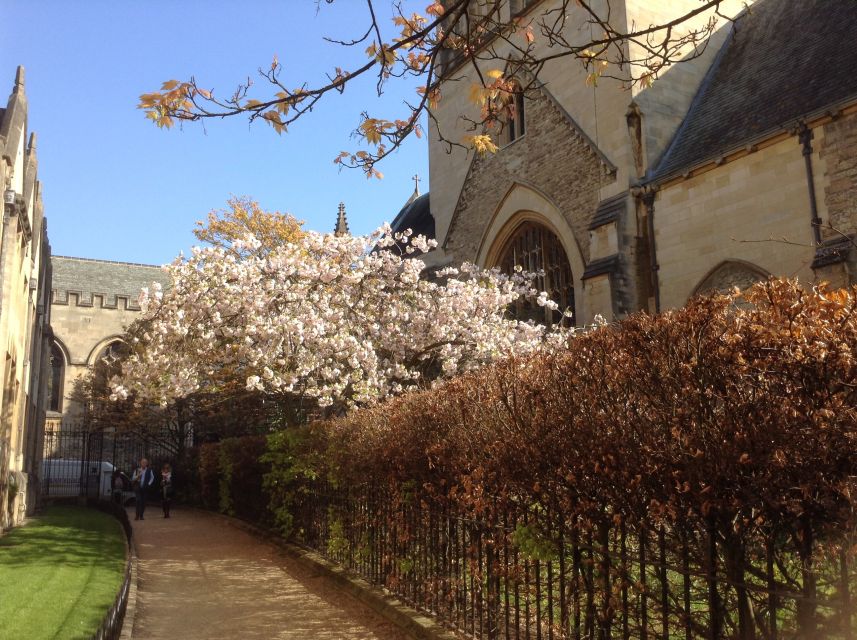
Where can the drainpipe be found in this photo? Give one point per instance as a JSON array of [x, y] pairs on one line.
[[649, 202], [805, 139]]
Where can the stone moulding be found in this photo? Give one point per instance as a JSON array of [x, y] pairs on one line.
[[832, 252], [609, 265], [609, 210]]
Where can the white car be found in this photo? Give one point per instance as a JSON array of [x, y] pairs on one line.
[[68, 478]]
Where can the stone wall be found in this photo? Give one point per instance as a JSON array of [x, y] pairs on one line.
[[24, 311], [838, 153], [752, 210], [555, 171], [552, 157]]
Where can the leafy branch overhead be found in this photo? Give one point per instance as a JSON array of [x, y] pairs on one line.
[[485, 43]]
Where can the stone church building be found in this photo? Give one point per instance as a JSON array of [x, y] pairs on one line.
[[93, 301], [736, 164], [25, 334]]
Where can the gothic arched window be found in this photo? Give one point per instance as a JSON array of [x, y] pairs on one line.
[[56, 376], [113, 353], [537, 249], [729, 274]]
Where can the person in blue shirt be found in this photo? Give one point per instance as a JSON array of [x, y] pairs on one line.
[[142, 481]]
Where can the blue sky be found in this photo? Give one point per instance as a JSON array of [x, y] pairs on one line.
[[117, 188]]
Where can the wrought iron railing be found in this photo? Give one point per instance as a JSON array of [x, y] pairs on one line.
[[535, 573], [111, 624]]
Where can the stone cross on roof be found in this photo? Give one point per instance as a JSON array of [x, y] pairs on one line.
[[341, 228], [416, 193]]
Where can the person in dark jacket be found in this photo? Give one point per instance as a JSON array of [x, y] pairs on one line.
[[142, 481], [166, 489], [117, 484]]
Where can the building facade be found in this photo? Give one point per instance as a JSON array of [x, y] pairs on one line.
[[93, 302], [733, 165], [25, 285]]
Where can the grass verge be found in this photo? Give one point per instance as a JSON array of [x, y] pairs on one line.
[[59, 574]]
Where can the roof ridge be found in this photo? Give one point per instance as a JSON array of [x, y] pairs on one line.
[[135, 264]]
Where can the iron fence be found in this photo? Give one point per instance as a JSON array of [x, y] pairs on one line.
[[535, 573], [80, 461]]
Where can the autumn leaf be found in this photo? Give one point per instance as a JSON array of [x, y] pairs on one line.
[[482, 143]]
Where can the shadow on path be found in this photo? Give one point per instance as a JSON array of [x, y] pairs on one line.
[[201, 578]]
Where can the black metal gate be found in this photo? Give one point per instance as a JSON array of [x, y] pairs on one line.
[[81, 462]]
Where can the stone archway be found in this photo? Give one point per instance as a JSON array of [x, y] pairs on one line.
[[103, 347], [729, 274], [523, 207]]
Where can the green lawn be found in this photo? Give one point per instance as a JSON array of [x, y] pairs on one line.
[[59, 574]]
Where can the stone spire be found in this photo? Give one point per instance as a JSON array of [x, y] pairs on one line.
[[416, 193], [341, 228], [19, 79]]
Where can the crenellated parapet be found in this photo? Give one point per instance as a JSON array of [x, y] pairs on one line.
[[79, 298], [101, 284]]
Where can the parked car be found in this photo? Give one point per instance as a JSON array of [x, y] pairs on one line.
[[68, 478]]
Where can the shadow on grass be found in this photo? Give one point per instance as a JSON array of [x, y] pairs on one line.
[[59, 574]]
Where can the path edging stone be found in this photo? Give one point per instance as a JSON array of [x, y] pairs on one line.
[[420, 626], [127, 632]]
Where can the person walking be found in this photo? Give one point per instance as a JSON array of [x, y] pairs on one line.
[[142, 481], [118, 485], [166, 489]]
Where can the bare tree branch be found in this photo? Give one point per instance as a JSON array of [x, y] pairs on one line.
[[456, 40]]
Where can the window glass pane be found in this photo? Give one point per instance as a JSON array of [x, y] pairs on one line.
[[535, 248], [55, 379]]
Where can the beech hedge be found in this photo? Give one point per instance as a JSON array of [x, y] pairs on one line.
[[728, 426]]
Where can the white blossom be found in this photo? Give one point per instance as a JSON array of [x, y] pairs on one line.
[[338, 318]]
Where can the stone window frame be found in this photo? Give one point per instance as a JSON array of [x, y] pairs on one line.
[[523, 201], [56, 392], [97, 352], [516, 121], [708, 283], [541, 249]]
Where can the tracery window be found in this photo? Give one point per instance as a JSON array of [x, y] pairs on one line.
[[55, 378], [112, 353], [535, 248]]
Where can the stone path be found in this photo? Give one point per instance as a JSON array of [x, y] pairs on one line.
[[199, 577]]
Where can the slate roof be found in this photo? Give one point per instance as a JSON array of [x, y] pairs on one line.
[[784, 59], [609, 210], [416, 215], [103, 277]]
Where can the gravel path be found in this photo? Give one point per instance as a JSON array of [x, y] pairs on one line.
[[201, 578]]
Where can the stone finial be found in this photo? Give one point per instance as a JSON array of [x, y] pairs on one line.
[[19, 78], [341, 228]]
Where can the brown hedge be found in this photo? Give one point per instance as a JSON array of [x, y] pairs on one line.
[[738, 414], [720, 437]]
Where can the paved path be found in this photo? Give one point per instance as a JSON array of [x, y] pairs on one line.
[[202, 578]]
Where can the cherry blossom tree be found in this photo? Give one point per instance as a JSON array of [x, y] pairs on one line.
[[342, 321]]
